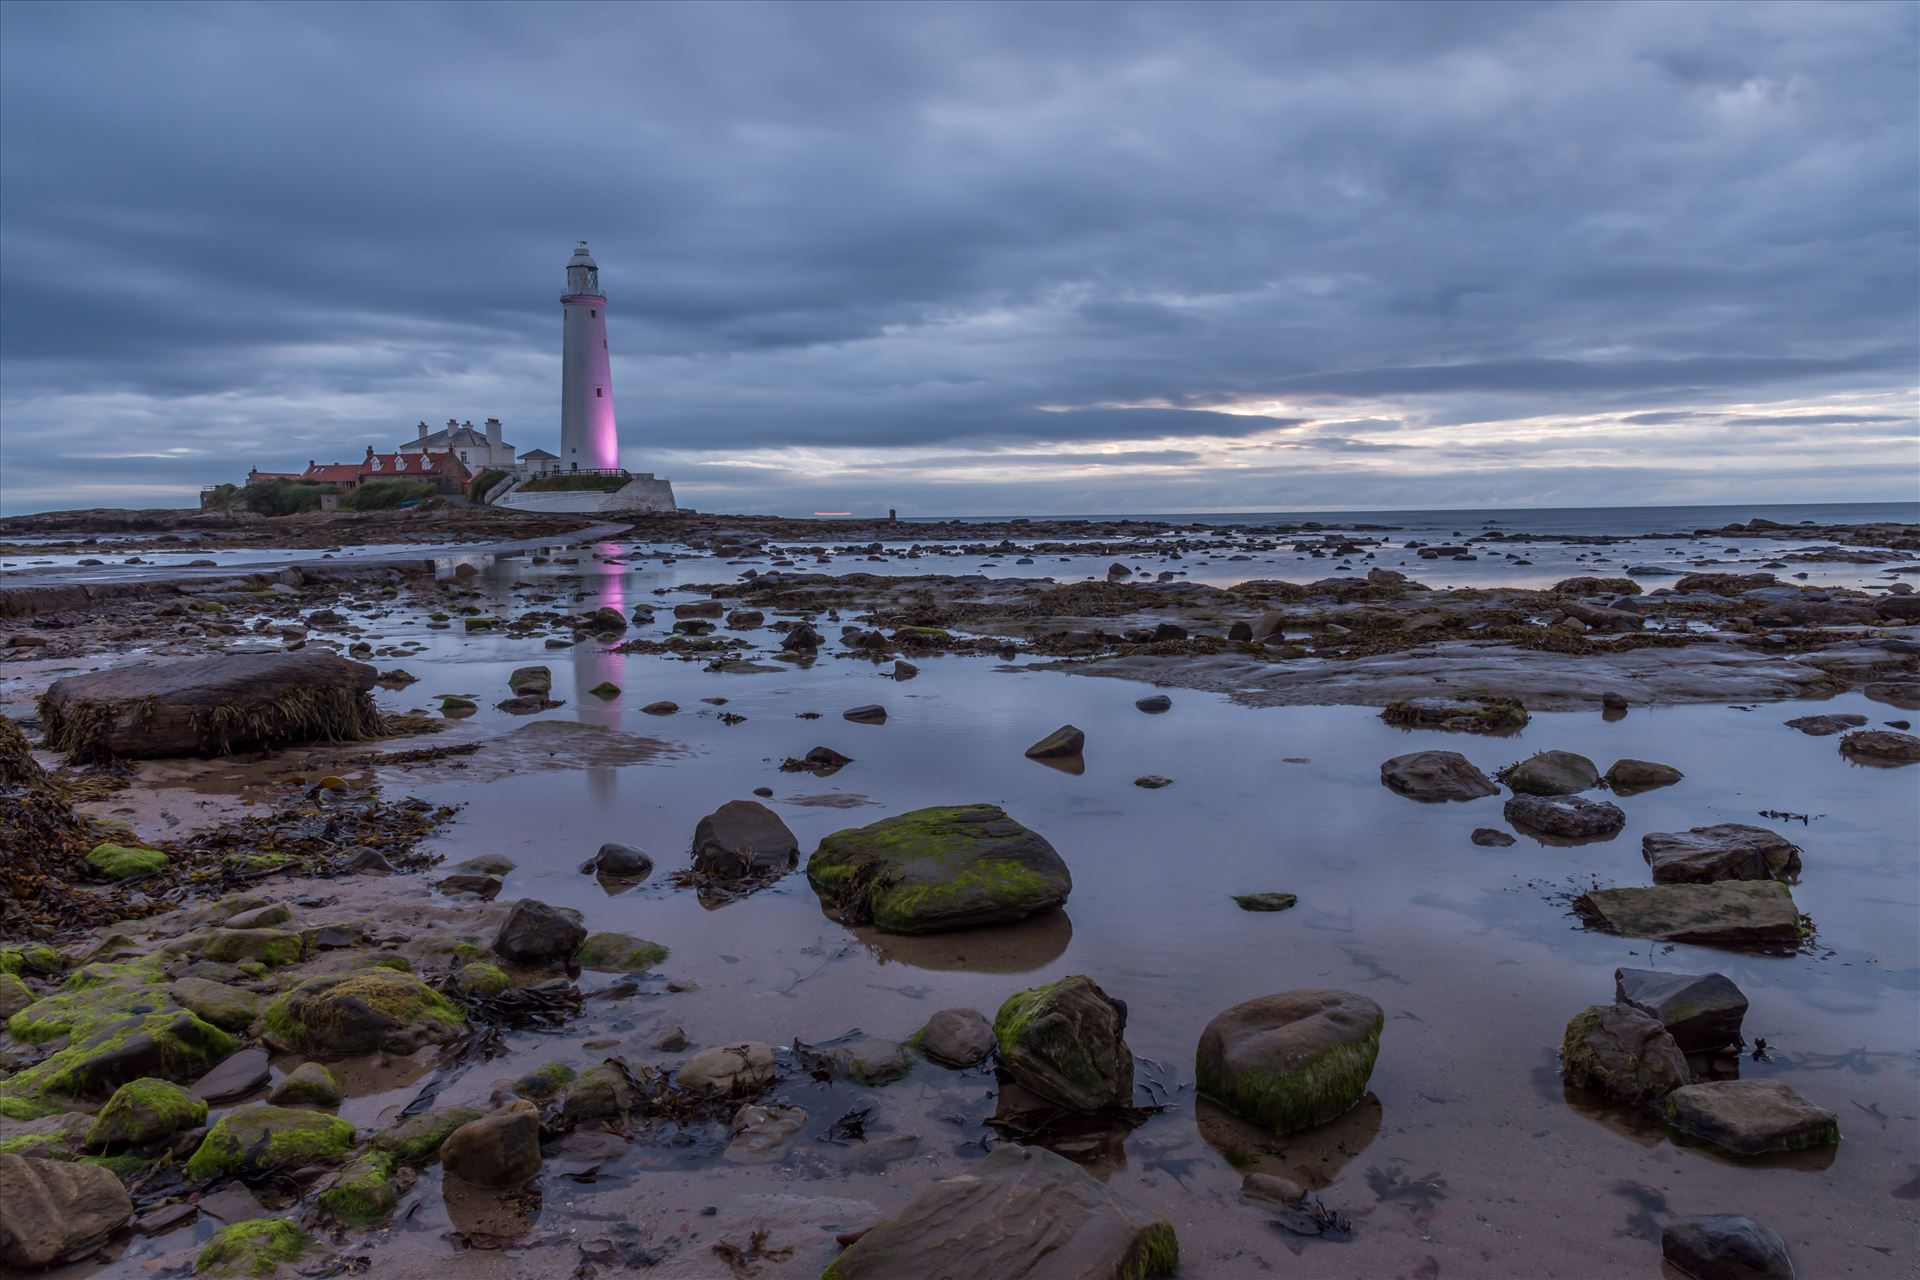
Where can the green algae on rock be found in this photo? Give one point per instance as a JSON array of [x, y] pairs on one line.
[[544, 1082], [228, 1007], [124, 861], [416, 1139], [1065, 1041], [271, 947], [262, 1137], [619, 953], [120, 1025], [481, 978], [1620, 1051], [252, 1248], [1293, 1060], [308, 1085], [1469, 715], [939, 868], [145, 1110], [365, 1011], [363, 1193]]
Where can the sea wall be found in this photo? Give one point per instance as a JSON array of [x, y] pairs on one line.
[[642, 494]]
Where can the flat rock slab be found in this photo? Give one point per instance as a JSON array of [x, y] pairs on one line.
[[1725, 851], [1725, 1247], [236, 1077], [1701, 1011], [942, 868], [1823, 726], [1565, 817], [211, 706], [1733, 913], [1750, 1117], [1435, 776], [1023, 1213]]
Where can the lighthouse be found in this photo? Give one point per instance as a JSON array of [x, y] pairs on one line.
[[589, 437]]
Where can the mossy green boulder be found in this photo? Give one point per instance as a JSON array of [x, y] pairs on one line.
[[619, 953], [143, 1111], [262, 1137], [481, 978], [15, 995], [252, 1248], [36, 958], [120, 1024], [1023, 1213], [228, 1007], [271, 947], [416, 1139], [363, 1193], [125, 861], [366, 1011], [546, 1082], [942, 868], [308, 1085], [1293, 1060], [1066, 1042], [1623, 1053]]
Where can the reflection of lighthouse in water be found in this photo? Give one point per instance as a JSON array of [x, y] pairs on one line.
[[593, 665]]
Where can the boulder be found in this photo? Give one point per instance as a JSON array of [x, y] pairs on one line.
[[1491, 838], [1066, 1042], [228, 1007], [1629, 777], [1062, 744], [144, 1111], [1701, 1011], [235, 1077], [871, 713], [1823, 726], [537, 681], [364, 1011], [1290, 1061], [759, 1135], [800, 638], [604, 1093], [1552, 773], [619, 862], [255, 1247], [1623, 1053], [1565, 817], [363, 1193], [416, 1139], [210, 706], [1880, 746], [497, 1151], [1154, 704], [1724, 1247], [957, 1038], [743, 838], [1725, 851], [1272, 900], [1895, 693], [1435, 776], [869, 1060], [1732, 913], [728, 1070], [54, 1211], [1023, 1213], [1750, 1117], [619, 953], [260, 1138], [940, 868], [539, 936], [1471, 715], [308, 1085]]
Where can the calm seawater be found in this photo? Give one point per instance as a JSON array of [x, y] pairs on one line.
[[1547, 520]]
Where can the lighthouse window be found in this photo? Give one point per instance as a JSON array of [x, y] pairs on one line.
[[594, 312], [597, 393]]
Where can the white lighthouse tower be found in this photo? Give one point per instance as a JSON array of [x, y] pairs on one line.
[[589, 436]]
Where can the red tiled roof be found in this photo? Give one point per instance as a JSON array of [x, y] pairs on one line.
[[382, 466], [333, 472]]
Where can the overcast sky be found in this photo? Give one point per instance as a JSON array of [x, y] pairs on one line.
[[981, 259]]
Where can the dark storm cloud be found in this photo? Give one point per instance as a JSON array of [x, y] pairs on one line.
[[232, 234]]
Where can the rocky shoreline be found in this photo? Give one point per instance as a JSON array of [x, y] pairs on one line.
[[260, 1039]]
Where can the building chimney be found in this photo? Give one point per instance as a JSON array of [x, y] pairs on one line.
[[493, 438], [423, 430]]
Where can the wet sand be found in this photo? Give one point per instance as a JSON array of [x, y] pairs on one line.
[[1469, 1159]]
